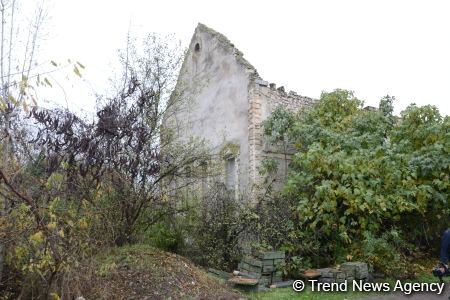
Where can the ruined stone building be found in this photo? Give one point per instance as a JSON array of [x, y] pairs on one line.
[[228, 103]]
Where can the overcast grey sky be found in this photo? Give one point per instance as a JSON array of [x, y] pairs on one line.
[[400, 48]]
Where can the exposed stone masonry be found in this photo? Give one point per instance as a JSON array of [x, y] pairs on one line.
[[278, 96], [264, 98]]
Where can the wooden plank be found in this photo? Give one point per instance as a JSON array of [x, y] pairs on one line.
[[243, 281]]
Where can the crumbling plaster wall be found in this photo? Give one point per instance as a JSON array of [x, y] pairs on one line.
[[215, 78], [227, 102]]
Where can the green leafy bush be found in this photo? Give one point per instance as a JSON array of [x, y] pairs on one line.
[[358, 174], [166, 236], [384, 253]]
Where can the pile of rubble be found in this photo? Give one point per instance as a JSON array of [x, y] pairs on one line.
[[259, 271], [348, 271], [263, 270]]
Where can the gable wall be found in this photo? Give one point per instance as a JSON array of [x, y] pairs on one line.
[[215, 81], [227, 103]]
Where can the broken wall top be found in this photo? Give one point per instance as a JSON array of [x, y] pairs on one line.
[[228, 46]]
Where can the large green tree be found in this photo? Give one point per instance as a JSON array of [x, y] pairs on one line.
[[361, 172]]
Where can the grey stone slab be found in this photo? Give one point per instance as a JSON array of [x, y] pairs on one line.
[[326, 272], [326, 280], [251, 274], [268, 269], [268, 262], [252, 261]]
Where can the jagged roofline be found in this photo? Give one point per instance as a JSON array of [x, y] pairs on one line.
[[239, 56], [227, 44]]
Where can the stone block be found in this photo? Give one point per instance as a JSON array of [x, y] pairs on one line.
[[220, 273], [251, 268], [248, 274], [349, 272], [326, 272], [268, 269], [326, 280], [252, 261], [268, 262], [278, 261], [265, 280], [361, 276], [358, 270], [337, 273], [244, 266], [362, 273], [339, 277]]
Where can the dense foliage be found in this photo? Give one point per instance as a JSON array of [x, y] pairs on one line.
[[73, 186], [360, 173], [362, 183]]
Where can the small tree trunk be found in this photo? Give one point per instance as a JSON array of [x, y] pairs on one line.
[[7, 156], [2, 253]]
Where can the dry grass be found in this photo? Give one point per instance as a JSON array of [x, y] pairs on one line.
[[142, 272]]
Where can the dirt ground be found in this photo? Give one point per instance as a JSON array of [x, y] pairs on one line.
[[147, 273]]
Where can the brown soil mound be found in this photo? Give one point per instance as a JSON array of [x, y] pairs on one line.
[[141, 272]]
